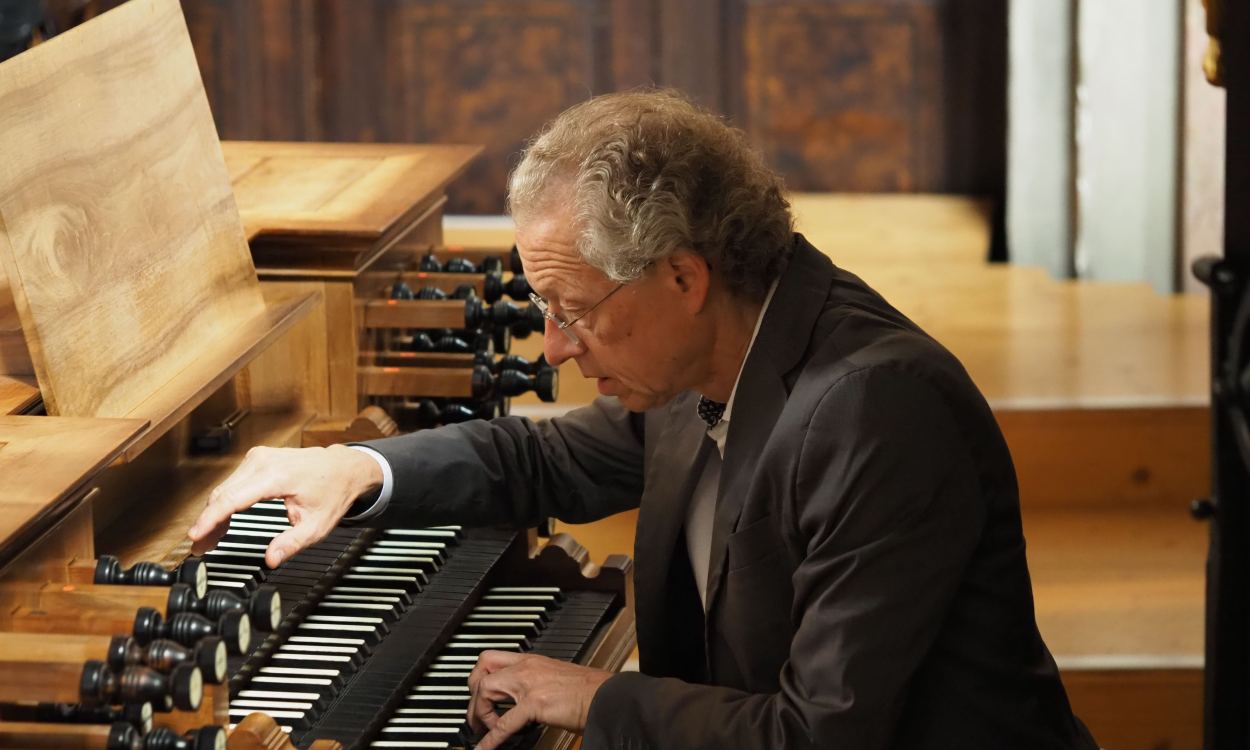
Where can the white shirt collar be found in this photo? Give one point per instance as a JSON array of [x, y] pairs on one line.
[[720, 432]]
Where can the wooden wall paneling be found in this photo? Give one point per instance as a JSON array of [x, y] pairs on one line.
[[693, 50], [844, 95], [470, 71], [974, 104], [259, 62], [495, 75], [634, 36], [353, 65]]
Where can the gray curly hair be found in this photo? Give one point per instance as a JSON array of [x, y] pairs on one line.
[[649, 173]]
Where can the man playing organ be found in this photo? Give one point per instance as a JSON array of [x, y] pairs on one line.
[[829, 550]]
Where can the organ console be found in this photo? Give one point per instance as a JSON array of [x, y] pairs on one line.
[[110, 635]]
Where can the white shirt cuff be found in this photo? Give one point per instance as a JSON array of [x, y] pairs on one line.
[[384, 496]]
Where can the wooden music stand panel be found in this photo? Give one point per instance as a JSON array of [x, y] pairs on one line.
[[46, 461], [119, 234]]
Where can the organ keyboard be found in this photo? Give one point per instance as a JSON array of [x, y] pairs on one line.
[[382, 615]]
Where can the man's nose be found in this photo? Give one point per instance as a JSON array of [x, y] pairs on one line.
[[556, 345]]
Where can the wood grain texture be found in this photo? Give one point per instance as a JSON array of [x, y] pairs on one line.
[[118, 235], [1119, 598], [900, 95], [292, 373], [846, 95], [46, 736], [392, 313], [1155, 456], [14, 356], [263, 82], [45, 462], [17, 393], [1156, 709], [1121, 585], [444, 382], [337, 192], [481, 71]]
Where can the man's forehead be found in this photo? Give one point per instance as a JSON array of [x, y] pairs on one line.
[[549, 244]]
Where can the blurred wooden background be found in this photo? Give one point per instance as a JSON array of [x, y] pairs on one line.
[[842, 95]]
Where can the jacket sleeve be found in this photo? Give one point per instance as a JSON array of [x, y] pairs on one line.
[[512, 471], [887, 509]]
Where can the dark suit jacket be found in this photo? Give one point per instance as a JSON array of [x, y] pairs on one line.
[[868, 585]]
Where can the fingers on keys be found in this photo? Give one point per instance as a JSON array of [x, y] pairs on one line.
[[249, 484]]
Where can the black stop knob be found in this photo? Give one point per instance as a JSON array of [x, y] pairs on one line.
[[456, 413], [264, 608], [429, 264], [517, 287], [123, 736], [492, 288], [514, 383], [401, 290], [514, 261], [431, 293], [515, 362], [122, 651], [108, 570], [475, 313], [182, 598], [421, 342], [149, 625], [185, 685], [204, 738], [547, 384], [452, 345], [482, 381], [234, 627], [459, 265]]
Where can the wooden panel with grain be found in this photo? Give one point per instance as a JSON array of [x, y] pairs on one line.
[[119, 235], [45, 461], [304, 204], [897, 95], [479, 71], [1141, 456], [17, 393], [1150, 709], [263, 76], [845, 95], [14, 356]]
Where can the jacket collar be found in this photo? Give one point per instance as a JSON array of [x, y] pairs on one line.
[[784, 337]]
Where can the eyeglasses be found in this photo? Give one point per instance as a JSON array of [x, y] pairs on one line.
[[562, 324]]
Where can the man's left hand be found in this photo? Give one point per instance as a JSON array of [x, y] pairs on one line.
[[543, 690]]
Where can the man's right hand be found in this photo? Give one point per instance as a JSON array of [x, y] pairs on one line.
[[317, 484]]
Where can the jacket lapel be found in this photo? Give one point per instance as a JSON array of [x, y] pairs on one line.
[[675, 465], [762, 391]]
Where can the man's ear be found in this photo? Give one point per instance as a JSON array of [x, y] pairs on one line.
[[691, 277]]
